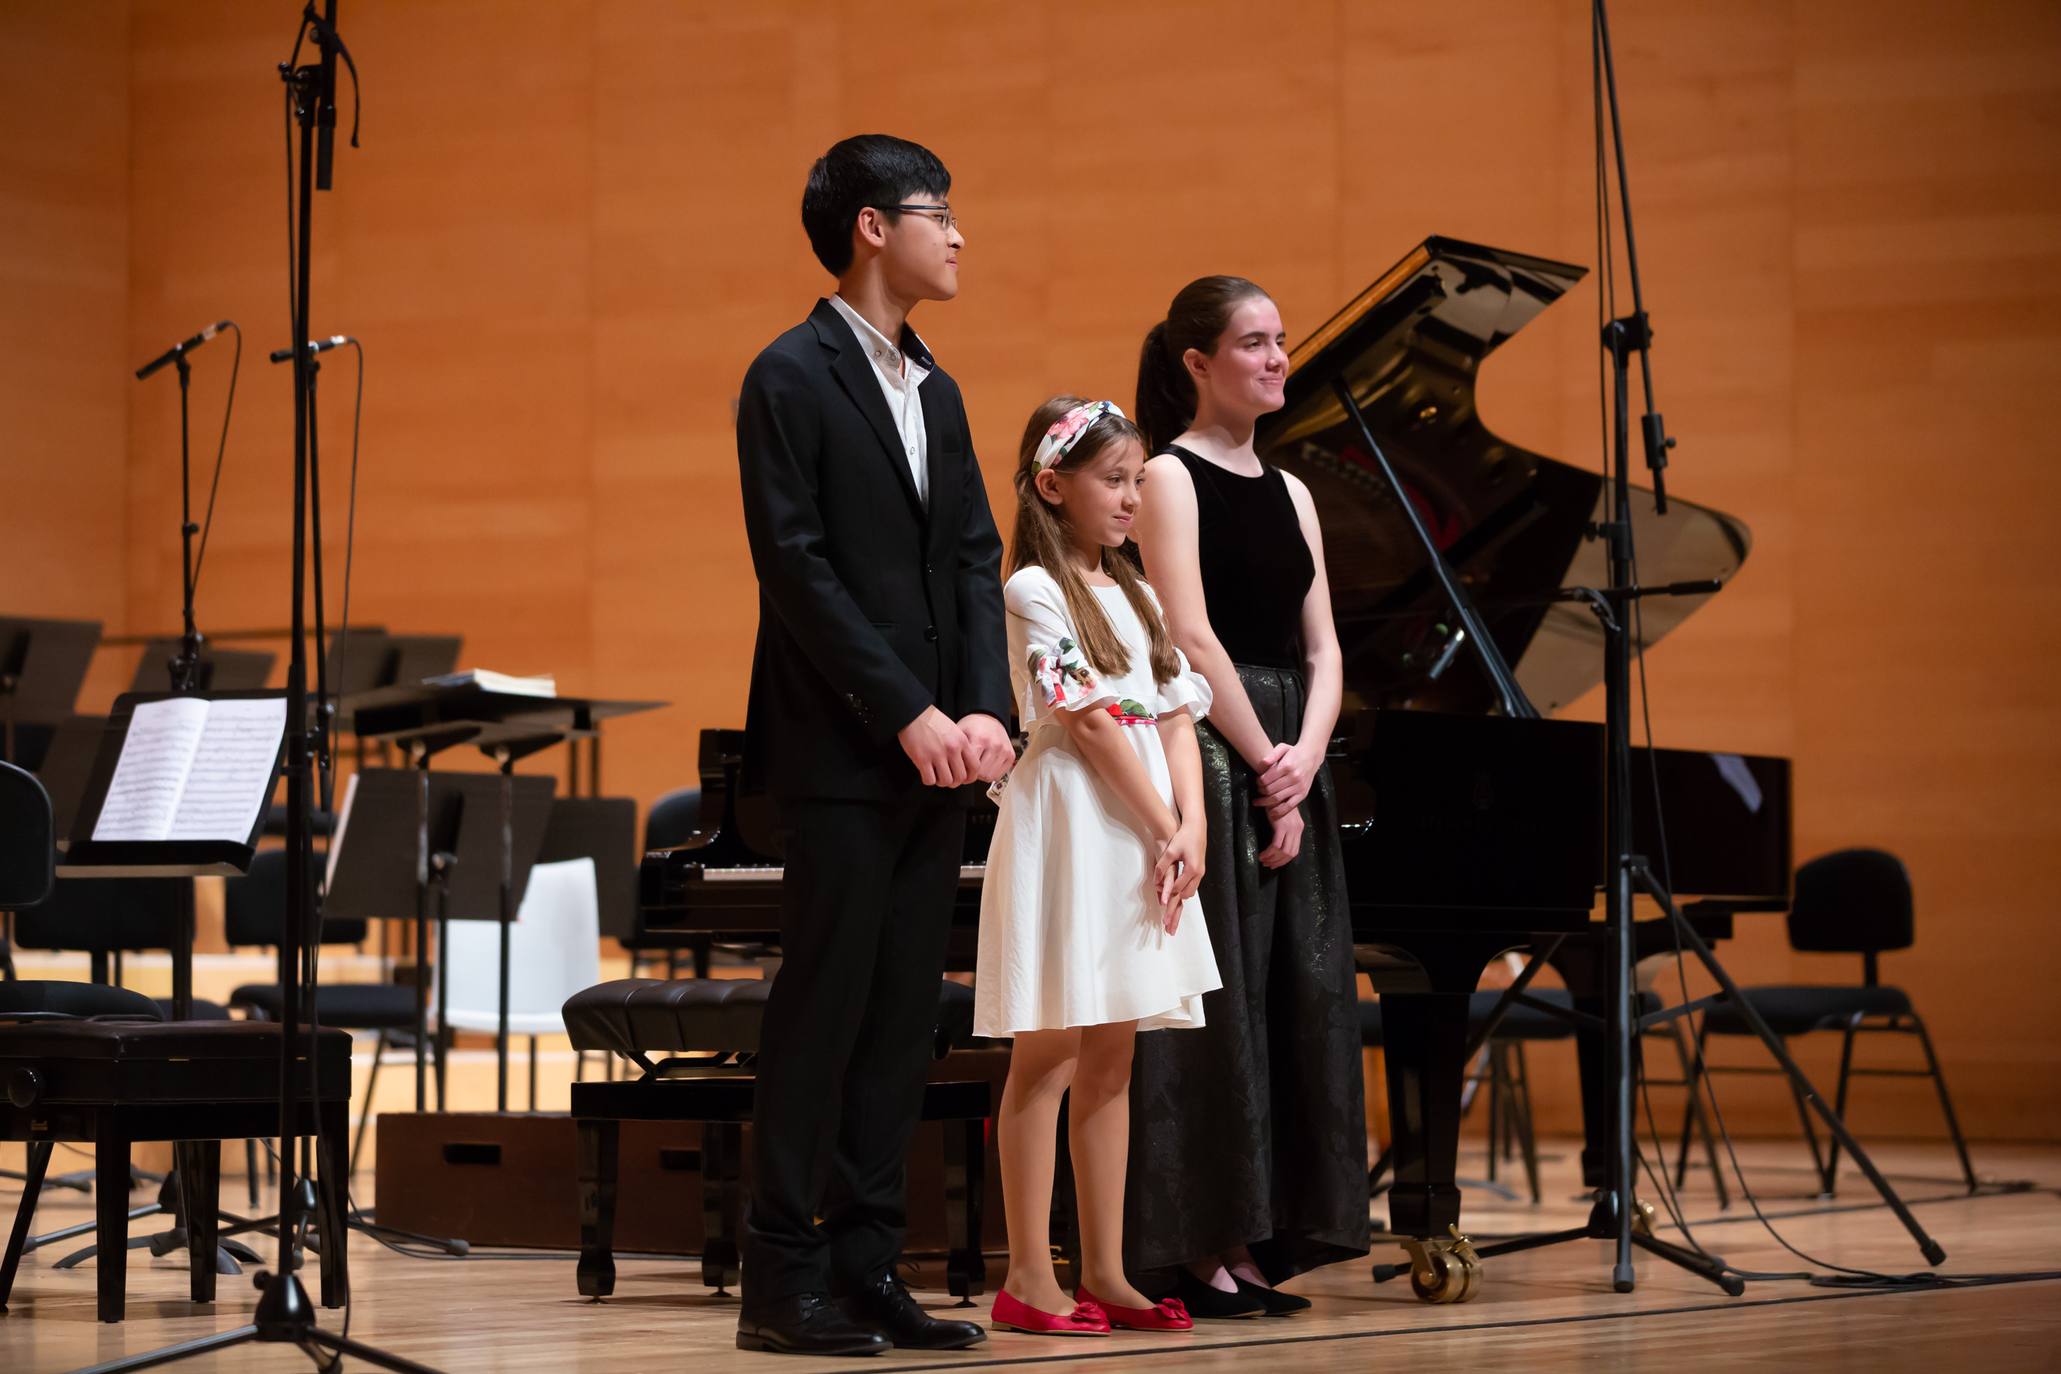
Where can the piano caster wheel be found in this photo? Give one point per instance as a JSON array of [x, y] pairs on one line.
[[1642, 1217], [1443, 1270]]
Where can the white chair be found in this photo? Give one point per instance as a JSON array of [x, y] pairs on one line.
[[554, 952]]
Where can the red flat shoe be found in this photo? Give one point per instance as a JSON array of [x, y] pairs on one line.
[[1168, 1314], [1086, 1319]]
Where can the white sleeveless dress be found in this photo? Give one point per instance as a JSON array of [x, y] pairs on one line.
[[1069, 934]]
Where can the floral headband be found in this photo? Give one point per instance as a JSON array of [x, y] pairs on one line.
[[1067, 430]]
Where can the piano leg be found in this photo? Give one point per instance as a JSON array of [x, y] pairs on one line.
[[1424, 1044]]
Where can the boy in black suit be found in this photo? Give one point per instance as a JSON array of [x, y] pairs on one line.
[[878, 686]]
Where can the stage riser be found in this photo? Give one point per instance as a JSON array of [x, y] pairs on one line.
[[509, 1179]]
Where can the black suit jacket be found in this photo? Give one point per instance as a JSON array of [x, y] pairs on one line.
[[871, 607]]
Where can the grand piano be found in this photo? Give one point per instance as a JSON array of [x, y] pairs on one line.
[[1467, 833]]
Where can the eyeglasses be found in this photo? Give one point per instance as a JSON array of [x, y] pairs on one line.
[[940, 214]]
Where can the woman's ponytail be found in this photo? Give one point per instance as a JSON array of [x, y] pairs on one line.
[[1166, 394]]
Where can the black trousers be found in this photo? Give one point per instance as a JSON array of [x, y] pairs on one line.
[[847, 1038]]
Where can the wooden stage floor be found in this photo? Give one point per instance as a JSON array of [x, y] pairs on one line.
[[1545, 1310]]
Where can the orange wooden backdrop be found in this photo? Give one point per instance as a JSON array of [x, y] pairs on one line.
[[571, 224]]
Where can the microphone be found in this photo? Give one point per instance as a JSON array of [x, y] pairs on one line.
[[183, 347], [281, 355]]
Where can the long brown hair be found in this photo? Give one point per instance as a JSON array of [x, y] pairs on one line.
[[1196, 319], [1041, 540]]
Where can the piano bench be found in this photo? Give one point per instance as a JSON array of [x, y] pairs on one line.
[[108, 1084], [718, 1019]]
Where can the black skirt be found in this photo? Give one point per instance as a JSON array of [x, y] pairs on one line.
[[1252, 1129]]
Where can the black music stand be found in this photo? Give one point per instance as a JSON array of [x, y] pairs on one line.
[[68, 766], [367, 658], [42, 665], [219, 670], [406, 832], [84, 856], [603, 829], [507, 727]]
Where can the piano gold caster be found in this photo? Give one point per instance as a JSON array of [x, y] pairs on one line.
[[1444, 1270]]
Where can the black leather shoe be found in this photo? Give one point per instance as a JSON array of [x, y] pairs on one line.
[[1208, 1303], [886, 1307], [1276, 1302], [806, 1324]]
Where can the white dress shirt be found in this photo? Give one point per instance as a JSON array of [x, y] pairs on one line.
[[899, 375]]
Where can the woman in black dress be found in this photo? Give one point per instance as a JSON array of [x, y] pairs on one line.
[[1249, 1148]]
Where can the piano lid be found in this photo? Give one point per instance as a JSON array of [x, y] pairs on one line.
[[1512, 522]]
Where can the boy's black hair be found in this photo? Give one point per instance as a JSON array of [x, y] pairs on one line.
[[870, 169]]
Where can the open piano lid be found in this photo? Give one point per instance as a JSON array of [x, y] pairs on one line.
[[1512, 523]]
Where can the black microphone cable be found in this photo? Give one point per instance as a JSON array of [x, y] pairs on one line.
[[200, 556]]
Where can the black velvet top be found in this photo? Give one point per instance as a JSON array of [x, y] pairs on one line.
[[1256, 566]]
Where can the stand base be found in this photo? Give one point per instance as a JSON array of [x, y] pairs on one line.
[[284, 1316]]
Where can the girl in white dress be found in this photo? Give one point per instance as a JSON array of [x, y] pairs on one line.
[[1089, 926]]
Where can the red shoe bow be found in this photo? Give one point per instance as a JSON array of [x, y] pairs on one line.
[[1168, 1314]]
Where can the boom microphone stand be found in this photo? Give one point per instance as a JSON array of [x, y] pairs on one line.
[[1614, 1216], [285, 1313]]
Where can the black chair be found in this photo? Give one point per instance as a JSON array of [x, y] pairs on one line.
[[28, 854], [254, 909], [1852, 901], [28, 877]]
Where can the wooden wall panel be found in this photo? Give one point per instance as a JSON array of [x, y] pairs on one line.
[[571, 225], [1928, 266], [64, 298]]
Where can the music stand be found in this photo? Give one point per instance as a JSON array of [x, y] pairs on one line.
[[603, 829], [385, 858], [423, 656], [68, 766], [367, 658], [219, 670], [42, 665], [508, 727], [86, 855]]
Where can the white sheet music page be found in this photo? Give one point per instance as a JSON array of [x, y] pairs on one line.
[[143, 795], [231, 776]]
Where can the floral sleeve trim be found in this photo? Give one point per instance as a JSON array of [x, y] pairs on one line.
[[1061, 678]]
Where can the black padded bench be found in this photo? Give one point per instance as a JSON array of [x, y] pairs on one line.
[[111, 1083], [704, 1034]]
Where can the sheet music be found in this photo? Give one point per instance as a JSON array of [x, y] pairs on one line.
[[231, 776], [143, 796]]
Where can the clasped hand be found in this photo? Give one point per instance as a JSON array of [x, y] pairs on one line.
[[1285, 777], [1177, 873], [950, 753]]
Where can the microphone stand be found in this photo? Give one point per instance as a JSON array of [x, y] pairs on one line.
[[1617, 1216], [285, 1314], [186, 664]]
